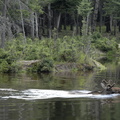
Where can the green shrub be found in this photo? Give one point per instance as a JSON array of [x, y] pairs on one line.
[[106, 45], [15, 67], [46, 65], [30, 53], [81, 57], [3, 54], [4, 67], [7, 60], [68, 55], [96, 35]]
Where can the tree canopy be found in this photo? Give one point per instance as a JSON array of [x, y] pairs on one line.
[[37, 19]]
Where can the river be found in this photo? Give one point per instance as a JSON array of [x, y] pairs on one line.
[[57, 96]]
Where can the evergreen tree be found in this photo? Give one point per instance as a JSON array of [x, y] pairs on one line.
[[84, 9], [112, 10]]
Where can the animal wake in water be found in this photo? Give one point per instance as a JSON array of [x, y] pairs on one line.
[[109, 91]]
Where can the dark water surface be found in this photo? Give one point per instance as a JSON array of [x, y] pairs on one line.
[[48, 96]]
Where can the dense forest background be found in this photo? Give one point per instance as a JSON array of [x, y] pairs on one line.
[[48, 18], [36, 29]]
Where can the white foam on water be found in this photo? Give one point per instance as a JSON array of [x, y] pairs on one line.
[[34, 94], [5, 89]]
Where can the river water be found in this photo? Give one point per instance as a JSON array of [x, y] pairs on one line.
[[59, 96]]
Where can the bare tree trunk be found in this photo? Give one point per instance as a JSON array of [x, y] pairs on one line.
[[80, 25], [49, 21], [84, 26], [115, 26], [54, 19], [9, 30], [40, 27], [71, 22], [111, 22], [58, 20], [36, 25], [75, 24], [58, 23], [119, 26], [3, 36], [95, 14], [32, 25], [43, 25], [101, 13], [65, 21], [88, 24], [107, 24], [4, 24], [22, 22]]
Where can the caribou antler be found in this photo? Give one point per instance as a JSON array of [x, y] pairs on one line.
[[106, 85]]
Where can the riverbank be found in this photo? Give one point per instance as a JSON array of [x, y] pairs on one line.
[[63, 54], [61, 67]]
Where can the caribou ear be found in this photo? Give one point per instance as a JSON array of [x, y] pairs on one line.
[[104, 84]]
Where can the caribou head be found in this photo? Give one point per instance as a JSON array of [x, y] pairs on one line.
[[108, 87]]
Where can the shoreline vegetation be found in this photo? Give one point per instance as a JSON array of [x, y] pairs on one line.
[[78, 53]]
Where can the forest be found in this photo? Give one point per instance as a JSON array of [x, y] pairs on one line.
[[57, 31]]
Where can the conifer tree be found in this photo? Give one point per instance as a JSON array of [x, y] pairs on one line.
[[84, 9], [112, 9]]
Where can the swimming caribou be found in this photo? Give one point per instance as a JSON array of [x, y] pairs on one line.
[[108, 88]]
